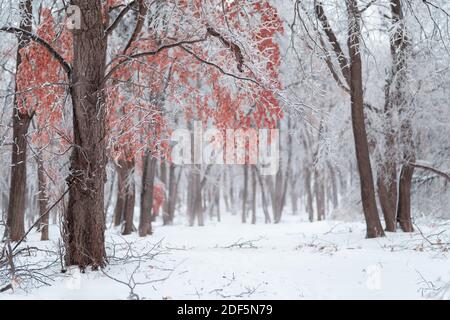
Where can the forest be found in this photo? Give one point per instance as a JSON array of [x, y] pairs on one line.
[[224, 149]]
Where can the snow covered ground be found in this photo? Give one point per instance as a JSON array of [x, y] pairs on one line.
[[291, 260]]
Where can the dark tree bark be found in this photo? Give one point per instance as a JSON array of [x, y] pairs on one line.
[[18, 182], [387, 194], [148, 179], [85, 216], [404, 198], [374, 228], [21, 121], [163, 171]]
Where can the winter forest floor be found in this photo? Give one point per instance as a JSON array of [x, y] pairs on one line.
[[291, 260]]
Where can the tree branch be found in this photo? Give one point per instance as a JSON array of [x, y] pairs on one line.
[[218, 67], [20, 32], [367, 6], [139, 24], [428, 3], [323, 47], [129, 58], [332, 39], [119, 18], [209, 32], [232, 46], [436, 171]]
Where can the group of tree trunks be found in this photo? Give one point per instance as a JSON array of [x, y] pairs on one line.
[[394, 194], [85, 218]]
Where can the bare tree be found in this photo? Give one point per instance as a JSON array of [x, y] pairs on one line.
[[374, 228]]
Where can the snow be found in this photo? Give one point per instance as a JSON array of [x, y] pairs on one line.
[[290, 260]]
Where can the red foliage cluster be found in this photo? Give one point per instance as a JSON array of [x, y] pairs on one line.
[[41, 81], [211, 82]]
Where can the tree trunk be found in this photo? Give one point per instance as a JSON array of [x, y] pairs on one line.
[[163, 178], [42, 199], [121, 196], [85, 216], [404, 198], [172, 197], [208, 203], [205, 201], [319, 191], [263, 196], [277, 196], [387, 172], [110, 193], [195, 209], [334, 187], [253, 197], [394, 99], [309, 196], [287, 172], [21, 121], [163, 171], [217, 202], [232, 202], [17, 191], [387, 194], [148, 179], [245, 195], [130, 196], [373, 223], [399, 52], [225, 191], [294, 194], [342, 181]]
